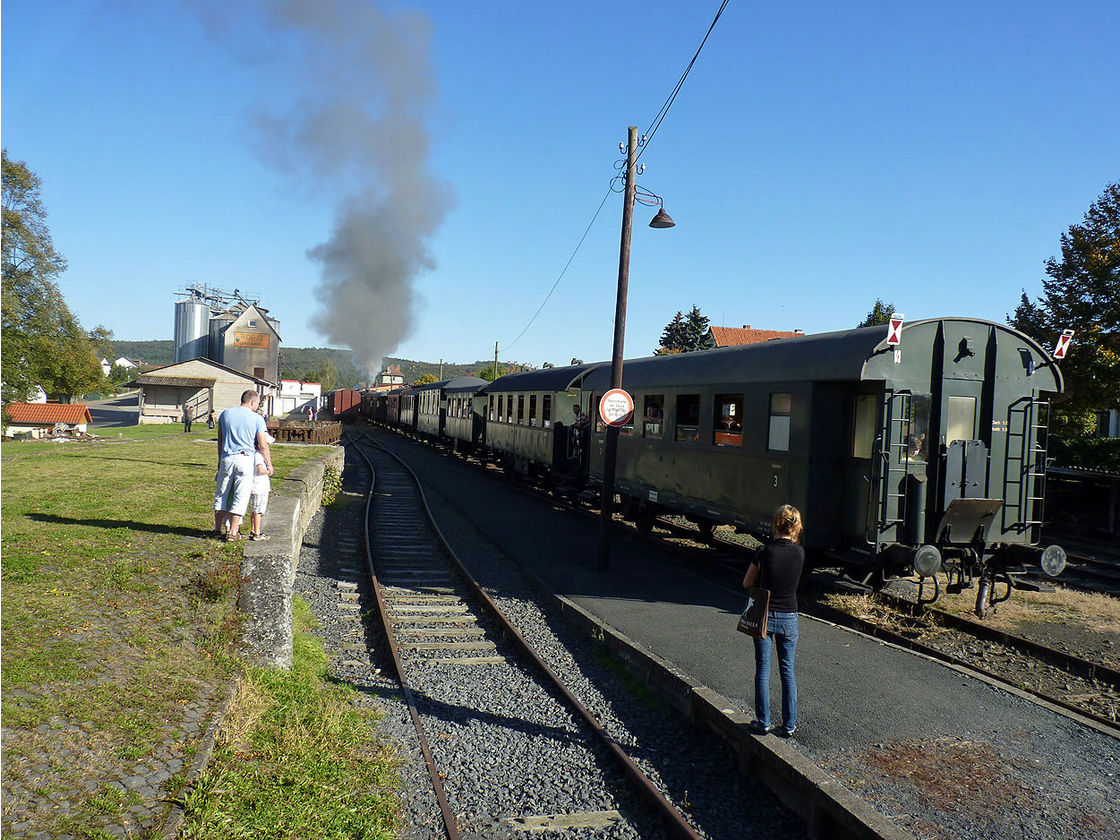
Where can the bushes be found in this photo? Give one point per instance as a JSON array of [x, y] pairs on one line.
[[1086, 453]]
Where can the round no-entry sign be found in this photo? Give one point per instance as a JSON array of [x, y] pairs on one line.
[[616, 407]]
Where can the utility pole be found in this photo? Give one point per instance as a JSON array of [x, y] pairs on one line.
[[606, 505], [440, 370], [496, 374]]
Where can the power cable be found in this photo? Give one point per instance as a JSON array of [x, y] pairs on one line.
[[656, 124], [586, 231], [648, 136]]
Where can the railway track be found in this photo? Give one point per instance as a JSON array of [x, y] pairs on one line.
[[553, 765]]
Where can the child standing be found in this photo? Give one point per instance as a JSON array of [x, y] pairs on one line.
[[258, 500]]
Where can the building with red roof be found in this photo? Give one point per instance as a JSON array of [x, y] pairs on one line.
[[38, 420], [735, 336]]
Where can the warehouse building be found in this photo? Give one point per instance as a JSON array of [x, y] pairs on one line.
[[203, 385]]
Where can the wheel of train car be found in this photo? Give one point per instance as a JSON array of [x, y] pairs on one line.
[[707, 530], [643, 518]]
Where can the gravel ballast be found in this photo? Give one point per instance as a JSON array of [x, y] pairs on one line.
[[508, 748]]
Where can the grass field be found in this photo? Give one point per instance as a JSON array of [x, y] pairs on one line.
[[118, 616]]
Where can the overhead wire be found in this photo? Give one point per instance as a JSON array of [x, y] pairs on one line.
[[618, 177], [586, 231], [657, 120]]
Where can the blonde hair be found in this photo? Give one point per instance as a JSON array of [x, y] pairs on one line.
[[787, 523]]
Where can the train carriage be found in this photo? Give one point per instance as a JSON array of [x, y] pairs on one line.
[[464, 424], [406, 409], [429, 409], [898, 458], [529, 418], [343, 403]]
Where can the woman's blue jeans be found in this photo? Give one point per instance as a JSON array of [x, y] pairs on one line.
[[782, 628]]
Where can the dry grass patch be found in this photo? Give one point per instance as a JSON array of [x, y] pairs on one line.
[[1093, 611]]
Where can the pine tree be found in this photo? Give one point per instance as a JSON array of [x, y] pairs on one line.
[[1082, 292]]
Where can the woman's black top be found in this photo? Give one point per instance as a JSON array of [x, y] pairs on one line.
[[780, 563]]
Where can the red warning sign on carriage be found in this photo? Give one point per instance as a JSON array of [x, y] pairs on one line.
[[1063, 344], [616, 407], [894, 330]]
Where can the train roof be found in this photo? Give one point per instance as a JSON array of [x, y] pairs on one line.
[[464, 383], [847, 355], [545, 379]]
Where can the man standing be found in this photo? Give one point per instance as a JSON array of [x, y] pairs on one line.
[[241, 431], [188, 415]]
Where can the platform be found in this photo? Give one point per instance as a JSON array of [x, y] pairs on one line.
[[866, 708]]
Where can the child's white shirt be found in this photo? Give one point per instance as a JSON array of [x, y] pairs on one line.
[[261, 484]]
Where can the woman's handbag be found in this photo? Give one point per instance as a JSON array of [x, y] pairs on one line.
[[753, 620]]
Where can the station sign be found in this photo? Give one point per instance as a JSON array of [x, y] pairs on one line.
[[1063, 344], [894, 329], [616, 408]]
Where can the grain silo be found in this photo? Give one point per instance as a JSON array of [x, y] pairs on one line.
[[192, 328]]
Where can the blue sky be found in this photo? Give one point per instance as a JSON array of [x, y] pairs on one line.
[[820, 155]]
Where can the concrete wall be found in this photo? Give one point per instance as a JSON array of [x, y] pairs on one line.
[[268, 569]]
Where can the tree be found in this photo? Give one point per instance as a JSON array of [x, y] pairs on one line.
[[43, 342], [325, 373], [685, 334], [880, 314], [1082, 292], [426, 379]]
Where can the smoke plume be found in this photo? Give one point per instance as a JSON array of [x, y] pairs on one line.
[[366, 87]]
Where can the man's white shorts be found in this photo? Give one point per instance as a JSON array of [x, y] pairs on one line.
[[235, 480]]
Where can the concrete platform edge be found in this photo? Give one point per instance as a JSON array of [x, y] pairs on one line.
[[828, 808]]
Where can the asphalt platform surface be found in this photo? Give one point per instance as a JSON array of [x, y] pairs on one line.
[[939, 751]]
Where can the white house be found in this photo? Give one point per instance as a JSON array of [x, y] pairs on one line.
[[296, 396]]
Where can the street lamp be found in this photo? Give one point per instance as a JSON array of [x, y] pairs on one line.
[[661, 220]]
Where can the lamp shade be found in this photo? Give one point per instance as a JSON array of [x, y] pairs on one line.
[[662, 220]]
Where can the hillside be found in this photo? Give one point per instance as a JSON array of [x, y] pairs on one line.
[[307, 363]]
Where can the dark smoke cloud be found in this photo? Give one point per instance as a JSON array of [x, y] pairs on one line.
[[365, 89]]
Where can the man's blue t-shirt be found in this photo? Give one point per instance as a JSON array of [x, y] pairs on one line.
[[237, 430]]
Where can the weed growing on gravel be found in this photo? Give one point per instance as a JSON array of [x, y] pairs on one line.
[[296, 758], [332, 485]]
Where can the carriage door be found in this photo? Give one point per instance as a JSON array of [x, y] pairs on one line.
[[964, 456], [897, 492]]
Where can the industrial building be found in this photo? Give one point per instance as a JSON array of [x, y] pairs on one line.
[[225, 343], [227, 328], [203, 385]]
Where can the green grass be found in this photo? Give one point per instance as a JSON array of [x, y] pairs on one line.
[[297, 759], [118, 607]]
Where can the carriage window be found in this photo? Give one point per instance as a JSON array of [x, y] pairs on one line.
[[532, 409], [688, 417], [653, 415], [780, 405], [546, 410], [727, 420], [509, 408], [865, 425], [962, 419], [521, 409], [917, 428], [501, 409], [490, 401]]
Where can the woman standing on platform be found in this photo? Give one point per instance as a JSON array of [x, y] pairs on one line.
[[779, 565]]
